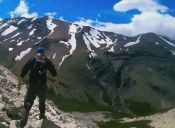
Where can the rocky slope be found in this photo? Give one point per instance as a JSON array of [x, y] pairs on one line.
[[11, 101], [159, 120]]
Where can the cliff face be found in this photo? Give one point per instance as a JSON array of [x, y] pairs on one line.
[[11, 110]]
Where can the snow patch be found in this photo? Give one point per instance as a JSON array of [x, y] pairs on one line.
[[112, 49], [66, 43], [50, 25], [88, 44], [73, 28], [54, 56], [133, 43], [19, 39], [93, 41], [5, 40], [167, 41], [97, 39], [126, 50], [33, 19], [39, 38], [40, 41], [32, 32], [95, 33], [20, 43], [109, 42], [21, 21], [9, 30], [11, 40], [88, 66], [116, 40], [173, 52], [62, 60], [3, 25], [22, 54], [72, 42], [15, 35], [10, 49], [101, 38], [29, 27], [157, 43], [93, 54]]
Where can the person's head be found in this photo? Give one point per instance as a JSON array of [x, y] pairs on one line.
[[40, 51]]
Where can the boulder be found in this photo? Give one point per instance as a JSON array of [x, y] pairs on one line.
[[2, 106], [5, 98], [4, 118], [14, 112], [4, 125]]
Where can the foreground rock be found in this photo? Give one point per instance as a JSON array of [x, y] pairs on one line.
[[11, 102]]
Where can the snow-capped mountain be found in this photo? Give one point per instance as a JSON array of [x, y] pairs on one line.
[[98, 65], [21, 36]]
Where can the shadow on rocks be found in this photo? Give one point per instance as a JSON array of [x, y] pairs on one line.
[[49, 124]]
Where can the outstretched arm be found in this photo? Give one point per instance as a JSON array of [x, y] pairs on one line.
[[53, 71]]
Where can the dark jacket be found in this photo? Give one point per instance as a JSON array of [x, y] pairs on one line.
[[35, 78]]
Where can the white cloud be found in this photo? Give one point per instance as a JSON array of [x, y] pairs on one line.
[[1, 19], [151, 19], [144, 23], [84, 22], [22, 10], [51, 14], [62, 18], [141, 5]]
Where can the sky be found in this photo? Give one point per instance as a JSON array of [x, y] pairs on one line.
[[128, 17]]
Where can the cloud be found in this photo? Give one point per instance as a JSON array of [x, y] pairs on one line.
[[22, 10], [62, 18], [1, 19], [141, 5], [84, 22], [144, 23], [51, 14], [149, 19]]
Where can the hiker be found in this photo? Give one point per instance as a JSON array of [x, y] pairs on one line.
[[38, 66]]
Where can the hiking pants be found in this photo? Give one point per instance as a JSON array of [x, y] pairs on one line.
[[32, 92]]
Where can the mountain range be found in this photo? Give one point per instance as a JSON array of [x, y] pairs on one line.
[[105, 68]]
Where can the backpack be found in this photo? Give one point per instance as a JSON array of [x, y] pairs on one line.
[[40, 66]]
